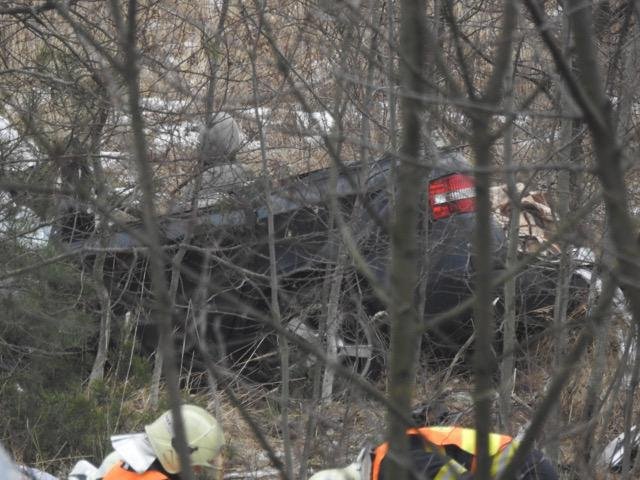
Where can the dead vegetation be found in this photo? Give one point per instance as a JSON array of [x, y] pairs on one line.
[[312, 83]]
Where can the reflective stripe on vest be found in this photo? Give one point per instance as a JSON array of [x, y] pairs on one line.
[[118, 472], [463, 438], [502, 459], [450, 471]]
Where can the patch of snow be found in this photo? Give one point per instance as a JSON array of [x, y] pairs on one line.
[[439, 139], [39, 237], [185, 134], [126, 190], [252, 146], [122, 118], [250, 113], [112, 154], [162, 105], [172, 60], [520, 120], [314, 140], [320, 122], [7, 132], [553, 11], [21, 152], [25, 220], [112, 159]]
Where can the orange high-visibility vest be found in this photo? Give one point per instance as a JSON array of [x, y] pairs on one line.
[[463, 438], [118, 472]]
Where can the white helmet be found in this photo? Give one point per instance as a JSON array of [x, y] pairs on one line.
[[352, 472], [203, 434]]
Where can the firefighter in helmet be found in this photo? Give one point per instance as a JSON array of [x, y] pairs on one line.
[[439, 453], [153, 455]]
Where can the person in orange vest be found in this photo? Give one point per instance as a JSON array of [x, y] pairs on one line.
[[443, 453], [152, 455]]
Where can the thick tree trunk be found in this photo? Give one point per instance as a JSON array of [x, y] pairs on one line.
[[405, 324], [484, 361]]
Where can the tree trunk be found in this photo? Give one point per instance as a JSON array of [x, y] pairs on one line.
[[563, 199], [162, 306], [283, 344], [509, 341], [405, 324], [334, 324], [97, 371]]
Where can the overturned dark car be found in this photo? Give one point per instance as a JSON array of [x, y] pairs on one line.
[[226, 239]]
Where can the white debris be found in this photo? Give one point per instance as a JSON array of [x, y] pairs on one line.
[[9, 472], [83, 470], [300, 328], [35, 474], [221, 139], [583, 255], [613, 454]]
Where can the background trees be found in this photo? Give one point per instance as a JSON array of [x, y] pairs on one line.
[[100, 125]]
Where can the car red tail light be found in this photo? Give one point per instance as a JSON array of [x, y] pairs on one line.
[[452, 194]]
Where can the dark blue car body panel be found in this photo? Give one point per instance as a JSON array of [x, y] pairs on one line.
[[301, 207]]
